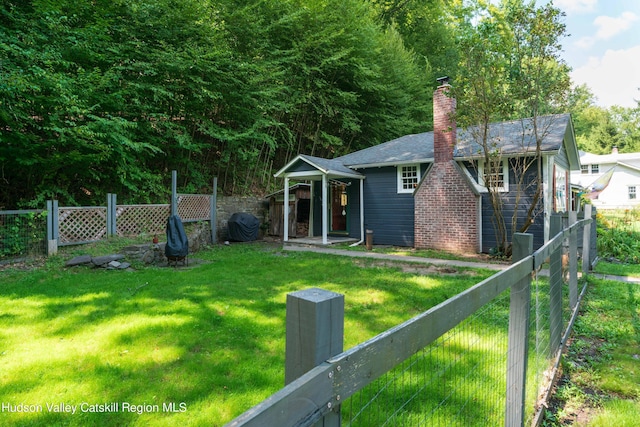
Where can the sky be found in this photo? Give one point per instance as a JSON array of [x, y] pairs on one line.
[[603, 48]]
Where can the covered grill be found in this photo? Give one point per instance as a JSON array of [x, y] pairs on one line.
[[243, 227], [177, 247]]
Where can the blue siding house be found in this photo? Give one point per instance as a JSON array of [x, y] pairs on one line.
[[427, 190]]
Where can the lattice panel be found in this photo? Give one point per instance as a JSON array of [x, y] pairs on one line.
[[81, 224], [134, 220], [194, 207]]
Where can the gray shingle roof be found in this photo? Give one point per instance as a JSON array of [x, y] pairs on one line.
[[511, 138], [331, 166], [516, 136]]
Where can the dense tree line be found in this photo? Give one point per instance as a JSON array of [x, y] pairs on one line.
[[102, 96], [110, 95]]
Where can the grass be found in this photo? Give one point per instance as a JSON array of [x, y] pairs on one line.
[[617, 269], [208, 338], [601, 381]]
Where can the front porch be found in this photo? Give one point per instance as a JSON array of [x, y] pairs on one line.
[[318, 240], [332, 198]]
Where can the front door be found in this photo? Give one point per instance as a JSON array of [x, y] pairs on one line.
[[339, 208]]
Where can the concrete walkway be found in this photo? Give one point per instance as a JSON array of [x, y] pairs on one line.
[[628, 279], [432, 261], [390, 257]]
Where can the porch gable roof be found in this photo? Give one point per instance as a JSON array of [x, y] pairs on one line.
[[305, 166]]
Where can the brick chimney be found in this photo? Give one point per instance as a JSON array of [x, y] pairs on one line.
[[446, 206], [444, 123]]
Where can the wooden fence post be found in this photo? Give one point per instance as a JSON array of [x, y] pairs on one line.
[[112, 212], [586, 242], [109, 217], [315, 333], [573, 261], [555, 290], [174, 193], [52, 227], [520, 296], [213, 214]]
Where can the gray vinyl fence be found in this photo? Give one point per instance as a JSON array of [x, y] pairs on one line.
[[30, 233], [72, 225], [487, 356]]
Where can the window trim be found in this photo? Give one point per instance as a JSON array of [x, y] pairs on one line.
[[634, 192], [595, 168], [584, 169], [505, 175], [399, 178]]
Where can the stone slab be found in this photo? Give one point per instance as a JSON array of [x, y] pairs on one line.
[[79, 260]]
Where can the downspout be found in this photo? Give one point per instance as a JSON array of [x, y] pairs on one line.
[[325, 209], [285, 211], [361, 215]]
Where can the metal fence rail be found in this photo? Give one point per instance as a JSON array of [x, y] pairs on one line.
[[23, 234], [483, 357]]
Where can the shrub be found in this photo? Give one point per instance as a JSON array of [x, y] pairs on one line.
[[615, 241]]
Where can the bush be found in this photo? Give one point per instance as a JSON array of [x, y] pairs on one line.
[[22, 234], [616, 241]]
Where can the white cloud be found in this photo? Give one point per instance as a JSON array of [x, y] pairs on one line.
[[580, 6], [585, 42], [608, 27], [613, 78]]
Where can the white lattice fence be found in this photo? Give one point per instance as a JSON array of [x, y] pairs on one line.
[[133, 220], [81, 224], [194, 207]]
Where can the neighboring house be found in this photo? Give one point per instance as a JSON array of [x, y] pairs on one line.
[[427, 190], [611, 181]]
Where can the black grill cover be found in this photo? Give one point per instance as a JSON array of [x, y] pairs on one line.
[[243, 227], [177, 242]]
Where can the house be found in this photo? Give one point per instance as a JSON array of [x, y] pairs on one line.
[[611, 181], [427, 190]]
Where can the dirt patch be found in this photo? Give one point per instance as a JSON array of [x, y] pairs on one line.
[[22, 264], [562, 411], [571, 402], [419, 269]]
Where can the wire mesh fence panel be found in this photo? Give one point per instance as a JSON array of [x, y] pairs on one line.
[[458, 380], [194, 207], [540, 357], [23, 234], [135, 220], [545, 333], [81, 224]]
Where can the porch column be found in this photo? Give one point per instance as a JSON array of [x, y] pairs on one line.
[[325, 210], [362, 210], [285, 211]]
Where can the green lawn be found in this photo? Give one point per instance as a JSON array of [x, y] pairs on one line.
[[208, 339], [617, 269], [601, 381]]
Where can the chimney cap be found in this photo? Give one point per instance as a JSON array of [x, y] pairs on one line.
[[442, 80]]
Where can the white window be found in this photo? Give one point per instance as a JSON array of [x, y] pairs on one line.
[[560, 189], [632, 192], [408, 178], [595, 168], [496, 177], [584, 169]]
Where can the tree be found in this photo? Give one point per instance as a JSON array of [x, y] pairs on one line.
[[510, 68], [110, 95]]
